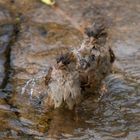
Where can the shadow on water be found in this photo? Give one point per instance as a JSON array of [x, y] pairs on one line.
[[116, 115]]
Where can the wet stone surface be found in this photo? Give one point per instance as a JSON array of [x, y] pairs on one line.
[[6, 36], [43, 29]]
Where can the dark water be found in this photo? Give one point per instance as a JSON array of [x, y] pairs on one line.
[[115, 115]]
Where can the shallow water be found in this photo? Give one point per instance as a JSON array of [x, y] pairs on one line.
[[115, 115]]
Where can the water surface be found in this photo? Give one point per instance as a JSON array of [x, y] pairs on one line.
[[116, 115]]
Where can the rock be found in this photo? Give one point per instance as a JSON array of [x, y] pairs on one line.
[[6, 36], [5, 14]]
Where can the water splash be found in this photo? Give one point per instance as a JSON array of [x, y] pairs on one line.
[[35, 86], [25, 86]]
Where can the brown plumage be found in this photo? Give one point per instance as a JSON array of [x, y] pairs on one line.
[[81, 70], [64, 85]]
